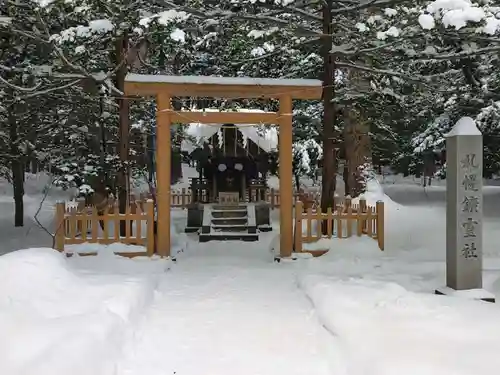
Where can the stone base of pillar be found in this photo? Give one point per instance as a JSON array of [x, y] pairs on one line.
[[473, 294]]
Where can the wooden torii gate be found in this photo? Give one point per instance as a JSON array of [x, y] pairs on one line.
[[165, 87]]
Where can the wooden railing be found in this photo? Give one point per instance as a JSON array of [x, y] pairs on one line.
[[343, 221], [76, 225]]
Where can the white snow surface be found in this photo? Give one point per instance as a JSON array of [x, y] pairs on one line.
[[94, 27], [200, 80], [165, 18], [55, 319], [265, 138], [387, 330], [464, 126], [227, 307], [458, 13], [391, 31], [5, 20], [178, 35], [426, 21]]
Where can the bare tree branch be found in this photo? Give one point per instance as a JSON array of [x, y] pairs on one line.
[[416, 79], [35, 217], [19, 88]]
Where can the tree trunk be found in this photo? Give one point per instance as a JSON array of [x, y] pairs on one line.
[[358, 153], [102, 130], [18, 185], [176, 165], [123, 135], [297, 181], [345, 177], [17, 171], [329, 172]]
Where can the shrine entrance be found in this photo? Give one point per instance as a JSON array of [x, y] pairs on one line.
[[164, 88]]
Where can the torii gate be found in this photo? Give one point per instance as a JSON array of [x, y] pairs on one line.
[[165, 87]]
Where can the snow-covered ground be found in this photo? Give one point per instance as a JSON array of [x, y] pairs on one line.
[[410, 193], [227, 307], [39, 201]]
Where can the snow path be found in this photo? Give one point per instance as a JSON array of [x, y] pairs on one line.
[[229, 309]]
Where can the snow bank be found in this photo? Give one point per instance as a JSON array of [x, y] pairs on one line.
[[178, 244], [178, 240], [103, 250], [414, 255], [384, 329], [414, 231], [375, 193], [61, 321]]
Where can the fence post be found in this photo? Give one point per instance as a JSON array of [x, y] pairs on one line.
[[272, 199], [362, 204], [150, 234], [81, 206], [95, 224], [348, 203], [183, 198], [133, 206], [298, 226], [380, 225], [362, 209], [60, 227]]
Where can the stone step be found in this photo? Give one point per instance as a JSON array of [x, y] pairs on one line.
[[230, 221], [229, 214], [228, 236], [229, 228], [220, 207]]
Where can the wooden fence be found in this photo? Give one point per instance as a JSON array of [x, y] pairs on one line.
[[75, 225], [344, 221], [183, 197]]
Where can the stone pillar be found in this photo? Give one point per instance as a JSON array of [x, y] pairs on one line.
[[464, 211]]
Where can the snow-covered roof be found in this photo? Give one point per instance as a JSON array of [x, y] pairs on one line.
[[265, 138], [200, 80]]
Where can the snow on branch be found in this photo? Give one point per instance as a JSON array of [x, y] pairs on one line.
[[458, 55], [4, 21], [94, 27], [459, 14], [361, 5], [417, 79], [273, 20], [165, 18]]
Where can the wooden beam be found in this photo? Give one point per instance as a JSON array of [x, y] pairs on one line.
[[163, 165], [231, 91], [187, 117], [286, 177]]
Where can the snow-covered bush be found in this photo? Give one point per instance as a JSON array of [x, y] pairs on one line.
[[306, 155]]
